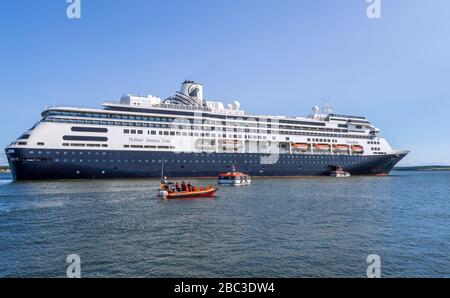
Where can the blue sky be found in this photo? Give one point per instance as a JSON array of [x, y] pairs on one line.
[[276, 57]]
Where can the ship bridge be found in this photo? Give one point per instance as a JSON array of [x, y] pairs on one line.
[[190, 97]]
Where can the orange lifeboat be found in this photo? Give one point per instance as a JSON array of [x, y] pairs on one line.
[[234, 178], [300, 146], [322, 147], [357, 149], [341, 147], [167, 192]]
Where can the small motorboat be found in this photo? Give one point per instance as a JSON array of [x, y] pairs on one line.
[[168, 191], [234, 178], [338, 172]]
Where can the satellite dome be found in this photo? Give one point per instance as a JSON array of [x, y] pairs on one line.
[[236, 105]]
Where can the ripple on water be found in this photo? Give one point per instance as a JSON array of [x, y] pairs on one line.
[[274, 228]]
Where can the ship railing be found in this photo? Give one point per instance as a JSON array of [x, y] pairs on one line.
[[183, 107]]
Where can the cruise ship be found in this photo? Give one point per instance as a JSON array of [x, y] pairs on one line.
[[193, 137]]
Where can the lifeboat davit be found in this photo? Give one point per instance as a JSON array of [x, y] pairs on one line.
[[357, 149], [322, 147]]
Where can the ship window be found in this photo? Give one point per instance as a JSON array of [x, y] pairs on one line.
[[89, 129], [85, 138], [140, 132], [126, 131], [24, 137]]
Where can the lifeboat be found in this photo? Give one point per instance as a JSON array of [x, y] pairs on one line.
[[300, 146], [322, 147], [168, 191], [357, 149], [341, 147], [234, 178]]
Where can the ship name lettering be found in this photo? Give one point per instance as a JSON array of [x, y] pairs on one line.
[[136, 140]]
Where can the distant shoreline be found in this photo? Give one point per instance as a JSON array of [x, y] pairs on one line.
[[5, 170], [424, 168]]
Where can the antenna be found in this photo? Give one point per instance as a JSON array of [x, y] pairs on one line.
[[327, 109], [162, 169]]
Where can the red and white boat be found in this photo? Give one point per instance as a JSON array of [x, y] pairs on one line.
[[234, 178], [339, 172]]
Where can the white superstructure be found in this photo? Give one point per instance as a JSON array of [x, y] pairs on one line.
[[147, 123]]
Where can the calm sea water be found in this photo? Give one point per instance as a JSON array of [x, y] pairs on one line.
[[306, 227]]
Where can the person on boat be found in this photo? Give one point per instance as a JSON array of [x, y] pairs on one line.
[[177, 187], [169, 187], [183, 186], [189, 186]]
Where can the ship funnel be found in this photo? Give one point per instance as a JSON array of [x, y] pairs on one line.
[[193, 90]]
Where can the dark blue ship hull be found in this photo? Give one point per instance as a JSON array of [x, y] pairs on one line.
[[39, 164]]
